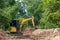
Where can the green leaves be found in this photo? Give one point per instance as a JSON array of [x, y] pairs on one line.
[[5, 13], [46, 12], [55, 17]]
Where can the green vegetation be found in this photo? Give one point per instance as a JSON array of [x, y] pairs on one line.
[[46, 12]]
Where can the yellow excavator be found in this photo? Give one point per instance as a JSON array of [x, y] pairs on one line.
[[17, 27]]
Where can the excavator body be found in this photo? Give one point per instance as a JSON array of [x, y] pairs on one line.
[[16, 26]]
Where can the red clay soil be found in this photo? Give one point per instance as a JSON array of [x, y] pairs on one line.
[[29, 34]]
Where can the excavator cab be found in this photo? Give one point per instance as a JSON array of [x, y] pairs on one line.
[[14, 26]]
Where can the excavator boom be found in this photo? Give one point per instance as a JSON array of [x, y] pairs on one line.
[[25, 20]]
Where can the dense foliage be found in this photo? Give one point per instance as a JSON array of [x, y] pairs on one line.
[[46, 12]]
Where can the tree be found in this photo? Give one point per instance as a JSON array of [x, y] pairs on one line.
[[6, 11]]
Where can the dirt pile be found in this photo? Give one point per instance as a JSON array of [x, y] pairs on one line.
[[29, 34], [47, 34], [41, 34], [27, 31], [4, 35]]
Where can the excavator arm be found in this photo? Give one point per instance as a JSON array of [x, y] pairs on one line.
[[25, 20]]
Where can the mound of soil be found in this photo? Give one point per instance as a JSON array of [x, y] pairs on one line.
[[4, 35], [47, 34], [29, 34]]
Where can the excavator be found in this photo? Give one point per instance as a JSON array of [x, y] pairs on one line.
[[16, 27]]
